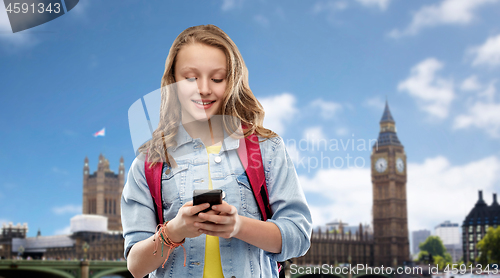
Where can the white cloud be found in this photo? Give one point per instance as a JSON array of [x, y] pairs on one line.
[[349, 191], [470, 84], [487, 54], [328, 109], [484, 113], [231, 4], [70, 133], [81, 9], [439, 191], [314, 135], [64, 231], [342, 131], [6, 35], [25, 39], [448, 12], [375, 102], [432, 93], [381, 4], [262, 20], [280, 110], [436, 191], [59, 171], [73, 209], [331, 8]]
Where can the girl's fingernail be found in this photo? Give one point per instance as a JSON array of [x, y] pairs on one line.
[[214, 207]]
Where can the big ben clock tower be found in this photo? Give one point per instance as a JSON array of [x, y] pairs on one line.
[[390, 217]]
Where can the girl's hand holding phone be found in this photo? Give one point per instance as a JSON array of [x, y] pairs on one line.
[[184, 223], [224, 223]]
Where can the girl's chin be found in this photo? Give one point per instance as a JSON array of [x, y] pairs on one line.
[[200, 118]]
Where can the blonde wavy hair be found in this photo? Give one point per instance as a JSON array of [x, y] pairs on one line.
[[238, 100]]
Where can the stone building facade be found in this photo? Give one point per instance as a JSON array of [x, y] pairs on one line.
[[9, 231], [101, 198], [476, 224], [388, 245], [390, 216], [102, 191], [337, 246]]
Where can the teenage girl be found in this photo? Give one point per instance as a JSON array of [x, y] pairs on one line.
[[206, 103]]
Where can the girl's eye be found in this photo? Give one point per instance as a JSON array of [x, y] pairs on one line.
[[217, 80], [192, 79]]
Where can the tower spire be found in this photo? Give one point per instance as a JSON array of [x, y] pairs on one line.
[[387, 117], [495, 203], [387, 135]]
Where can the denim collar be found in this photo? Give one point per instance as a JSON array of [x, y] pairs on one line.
[[229, 142]]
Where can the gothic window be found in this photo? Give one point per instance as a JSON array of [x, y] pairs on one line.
[[471, 256], [471, 237], [486, 227], [471, 229], [471, 246], [478, 237], [105, 205], [114, 207], [478, 229]]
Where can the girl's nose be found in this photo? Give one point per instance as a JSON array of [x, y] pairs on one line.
[[203, 86]]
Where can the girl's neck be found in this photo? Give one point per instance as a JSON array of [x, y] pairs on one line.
[[210, 132]]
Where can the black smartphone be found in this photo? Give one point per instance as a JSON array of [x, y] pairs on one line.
[[213, 197]]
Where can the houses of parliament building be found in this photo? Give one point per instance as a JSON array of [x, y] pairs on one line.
[[96, 233], [387, 244]]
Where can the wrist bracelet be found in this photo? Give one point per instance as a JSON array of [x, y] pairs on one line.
[[161, 233]]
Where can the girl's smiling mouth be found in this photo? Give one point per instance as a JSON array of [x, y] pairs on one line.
[[203, 104]]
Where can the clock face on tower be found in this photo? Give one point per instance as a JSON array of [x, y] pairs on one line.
[[381, 165], [400, 165]]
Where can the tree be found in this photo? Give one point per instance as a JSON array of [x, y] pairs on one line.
[[434, 246], [423, 256], [442, 262], [490, 247]]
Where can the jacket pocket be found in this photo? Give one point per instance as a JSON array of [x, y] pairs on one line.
[[248, 202], [173, 181]]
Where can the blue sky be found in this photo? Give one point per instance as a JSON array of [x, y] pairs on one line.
[[322, 70]]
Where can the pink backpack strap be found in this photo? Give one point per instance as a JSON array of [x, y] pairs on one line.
[[251, 159], [153, 178]]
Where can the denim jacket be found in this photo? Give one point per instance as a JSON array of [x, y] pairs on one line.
[[238, 258]]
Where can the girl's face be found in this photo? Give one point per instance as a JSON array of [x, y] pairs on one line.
[[200, 73]]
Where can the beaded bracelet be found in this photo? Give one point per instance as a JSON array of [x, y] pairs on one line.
[[161, 232]]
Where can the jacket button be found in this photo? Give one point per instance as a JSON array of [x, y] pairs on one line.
[[167, 171], [217, 159], [233, 276]]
